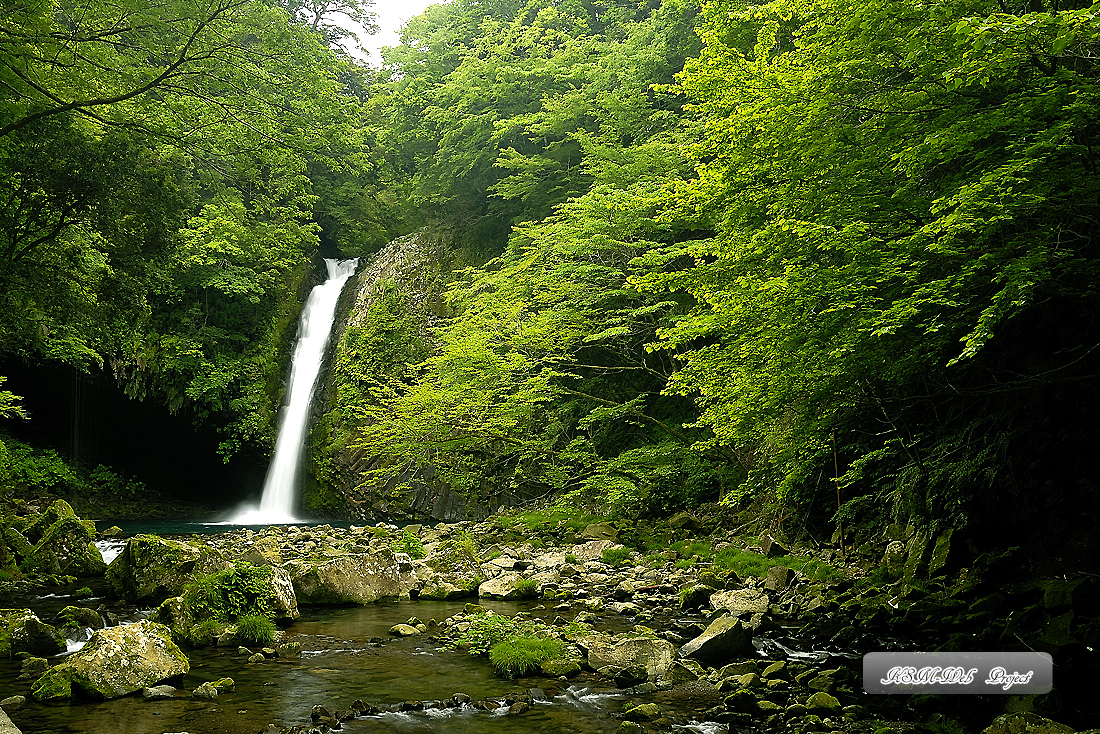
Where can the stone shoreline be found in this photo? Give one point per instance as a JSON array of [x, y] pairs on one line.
[[682, 638]]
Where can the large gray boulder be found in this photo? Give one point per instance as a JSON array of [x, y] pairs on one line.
[[286, 602], [741, 602], [356, 577], [152, 569], [116, 661], [501, 587], [726, 638], [6, 727], [656, 656], [22, 631]]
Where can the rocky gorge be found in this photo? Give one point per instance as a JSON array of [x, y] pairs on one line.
[[706, 627]]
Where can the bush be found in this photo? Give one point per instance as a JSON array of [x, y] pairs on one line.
[[615, 556], [237, 592], [521, 655], [487, 629], [407, 542], [527, 589], [257, 629]]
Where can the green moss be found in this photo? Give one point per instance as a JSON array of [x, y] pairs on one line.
[[56, 684], [615, 556], [205, 633], [521, 655], [527, 589], [557, 667]]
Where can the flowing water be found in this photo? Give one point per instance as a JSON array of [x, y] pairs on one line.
[[280, 493], [347, 654]]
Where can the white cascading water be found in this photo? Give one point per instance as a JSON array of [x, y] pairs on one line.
[[315, 326]]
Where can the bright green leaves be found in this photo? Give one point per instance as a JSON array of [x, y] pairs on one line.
[[886, 182]]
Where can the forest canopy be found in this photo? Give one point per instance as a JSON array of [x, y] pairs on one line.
[[754, 251]]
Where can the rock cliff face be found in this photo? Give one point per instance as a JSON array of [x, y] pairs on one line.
[[386, 322]]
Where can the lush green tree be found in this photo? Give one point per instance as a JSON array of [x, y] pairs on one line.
[[905, 203], [156, 212]]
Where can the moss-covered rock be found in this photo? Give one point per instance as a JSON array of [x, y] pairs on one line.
[[37, 527], [22, 631], [116, 661], [151, 568], [56, 684], [560, 666], [78, 617], [356, 577], [67, 548]]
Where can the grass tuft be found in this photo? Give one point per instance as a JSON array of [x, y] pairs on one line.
[[521, 655], [257, 629]]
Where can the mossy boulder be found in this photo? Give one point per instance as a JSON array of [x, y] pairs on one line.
[[37, 527], [116, 661], [653, 655], [558, 667], [22, 631], [724, 639], [356, 577], [152, 569], [79, 617], [66, 548]]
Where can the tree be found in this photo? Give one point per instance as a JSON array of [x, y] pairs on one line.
[[905, 205]]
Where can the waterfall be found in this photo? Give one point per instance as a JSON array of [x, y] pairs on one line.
[[281, 484]]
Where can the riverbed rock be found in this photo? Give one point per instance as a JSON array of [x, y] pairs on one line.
[[11, 703], [404, 630], [590, 551], [778, 578], [696, 596], [289, 651], [501, 587], [264, 551], [152, 569], [724, 639], [77, 617], [37, 525], [1025, 723], [822, 703], [157, 693], [67, 547], [205, 692], [655, 655], [600, 531], [740, 602], [286, 602], [6, 727], [355, 577], [22, 631], [772, 548], [116, 661], [436, 588], [32, 668]]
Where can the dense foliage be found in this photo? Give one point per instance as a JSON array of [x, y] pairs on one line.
[[155, 210], [838, 245], [772, 252]]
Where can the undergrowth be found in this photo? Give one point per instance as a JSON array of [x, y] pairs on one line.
[[518, 656]]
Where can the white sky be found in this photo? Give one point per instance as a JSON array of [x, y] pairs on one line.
[[392, 14]]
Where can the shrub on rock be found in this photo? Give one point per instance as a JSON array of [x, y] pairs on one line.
[[521, 655]]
